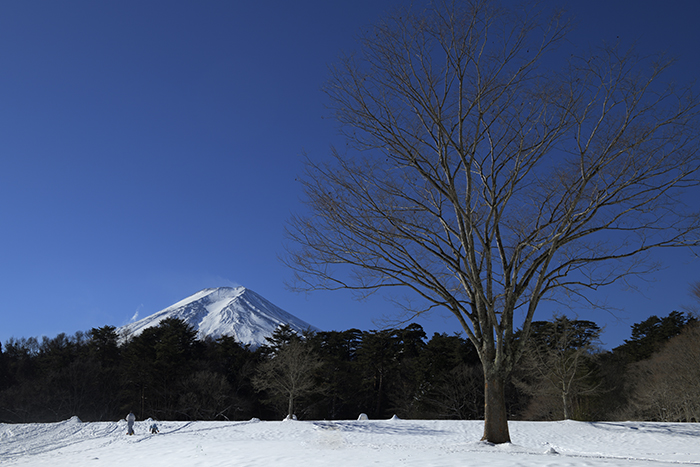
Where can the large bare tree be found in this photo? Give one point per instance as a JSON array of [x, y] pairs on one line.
[[486, 168]]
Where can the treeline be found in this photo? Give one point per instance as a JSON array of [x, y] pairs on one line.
[[167, 373]]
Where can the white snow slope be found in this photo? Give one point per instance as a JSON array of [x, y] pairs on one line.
[[348, 443], [236, 312]]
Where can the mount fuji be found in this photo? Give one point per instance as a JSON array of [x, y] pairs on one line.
[[225, 311]]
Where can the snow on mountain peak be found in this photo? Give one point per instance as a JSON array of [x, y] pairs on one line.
[[231, 311]]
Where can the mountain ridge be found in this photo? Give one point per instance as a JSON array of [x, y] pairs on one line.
[[224, 311]]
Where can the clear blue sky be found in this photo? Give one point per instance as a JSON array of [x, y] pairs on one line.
[[149, 149]]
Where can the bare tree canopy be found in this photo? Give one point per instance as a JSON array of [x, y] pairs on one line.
[[289, 373], [665, 386], [557, 361], [486, 168]]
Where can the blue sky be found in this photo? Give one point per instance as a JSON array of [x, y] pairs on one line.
[[149, 149]]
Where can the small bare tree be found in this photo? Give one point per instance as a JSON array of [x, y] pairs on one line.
[[457, 394], [487, 179], [557, 361], [289, 373]]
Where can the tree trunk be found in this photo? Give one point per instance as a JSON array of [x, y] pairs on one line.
[[377, 410], [495, 416], [290, 409]]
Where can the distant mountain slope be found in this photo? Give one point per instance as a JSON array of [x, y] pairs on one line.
[[236, 312]]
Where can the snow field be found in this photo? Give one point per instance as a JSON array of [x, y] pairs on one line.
[[425, 443]]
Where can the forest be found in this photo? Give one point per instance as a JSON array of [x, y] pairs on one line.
[[166, 373]]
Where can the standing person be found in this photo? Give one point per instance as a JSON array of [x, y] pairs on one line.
[[130, 419]]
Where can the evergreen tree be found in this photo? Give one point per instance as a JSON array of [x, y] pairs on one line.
[[454, 379], [156, 362], [339, 374], [378, 362], [649, 335]]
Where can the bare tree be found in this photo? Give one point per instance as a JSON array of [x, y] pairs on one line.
[[204, 395], [557, 362], [694, 309], [666, 385], [457, 393], [485, 179], [289, 373]]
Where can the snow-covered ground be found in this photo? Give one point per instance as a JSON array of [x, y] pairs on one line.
[[348, 443]]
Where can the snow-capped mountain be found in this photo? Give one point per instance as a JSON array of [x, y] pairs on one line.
[[236, 312]]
